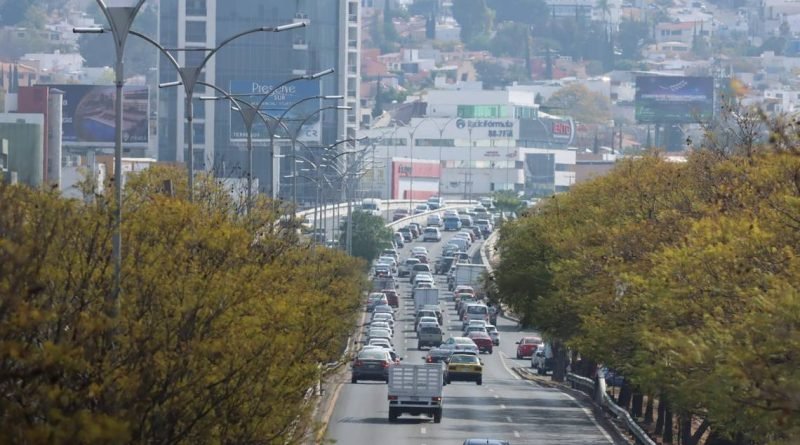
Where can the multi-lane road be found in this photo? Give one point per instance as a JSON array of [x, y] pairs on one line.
[[504, 407]]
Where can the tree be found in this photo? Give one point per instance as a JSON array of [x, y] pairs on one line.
[[474, 17], [507, 201], [506, 41], [219, 318], [494, 75], [370, 235], [582, 104]]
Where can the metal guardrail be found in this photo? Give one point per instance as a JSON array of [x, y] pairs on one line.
[[601, 397]]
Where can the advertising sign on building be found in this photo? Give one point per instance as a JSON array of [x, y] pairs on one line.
[[88, 115], [276, 104], [487, 128], [674, 99]]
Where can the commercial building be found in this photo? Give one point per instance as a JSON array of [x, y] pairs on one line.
[[483, 141], [253, 64]]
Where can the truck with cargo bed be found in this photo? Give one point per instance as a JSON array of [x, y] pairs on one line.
[[415, 390], [468, 275], [423, 297]]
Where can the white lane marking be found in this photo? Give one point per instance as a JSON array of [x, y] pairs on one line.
[[422, 430], [508, 418], [503, 362], [502, 406], [516, 434], [496, 396], [491, 390]]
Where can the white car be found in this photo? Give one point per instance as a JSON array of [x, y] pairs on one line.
[[423, 277], [419, 250], [381, 325], [435, 221], [460, 344], [494, 333], [431, 234], [427, 320], [383, 317], [421, 208], [406, 266], [379, 333]]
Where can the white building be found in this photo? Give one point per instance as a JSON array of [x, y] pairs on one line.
[[472, 143]]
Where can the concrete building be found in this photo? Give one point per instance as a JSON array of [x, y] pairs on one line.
[[483, 141], [331, 40]]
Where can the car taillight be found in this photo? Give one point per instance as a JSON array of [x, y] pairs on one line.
[[386, 364], [429, 359], [436, 399], [392, 397], [358, 363]]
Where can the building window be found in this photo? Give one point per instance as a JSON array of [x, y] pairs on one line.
[[395, 141], [563, 168], [562, 188], [435, 142], [526, 113], [481, 111], [199, 133], [195, 31], [195, 7]]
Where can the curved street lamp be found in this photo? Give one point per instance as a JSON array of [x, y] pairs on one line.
[[190, 78], [120, 15]]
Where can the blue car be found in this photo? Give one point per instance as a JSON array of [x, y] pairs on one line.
[[452, 224]]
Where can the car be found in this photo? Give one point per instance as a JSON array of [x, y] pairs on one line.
[[541, 360], [392, 253], [417, 268], [382, 346], [470, 234], [381, 325], [485, 226], [371, 364], [383, 270], [482, 339], [437, 355], [429, 335], [477, 232], [466, 221], [427, 319], [452, 223], [407, 235], [435, 202], [388, 261], [527, 345], [450, 213], [421, 208], [464, 367], [392, 298], [423, 277], [399, 214], [419, 250], [384, 317], [398, 239], [470, 329], [486, 202], [416, 228], [374, 299], [422, 258], [461, 345], [422, 313], [431, 234], [442, 265], [436, 308], [464, 289], [494, 333], [486, 442], [406, 266], [434, 221]]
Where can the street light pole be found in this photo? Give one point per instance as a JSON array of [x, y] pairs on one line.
[[120, 15], [190, 78]]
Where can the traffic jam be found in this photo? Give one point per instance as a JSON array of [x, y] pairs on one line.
[[427, 287]]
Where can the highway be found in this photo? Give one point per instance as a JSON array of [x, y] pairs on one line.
[[504, 407]]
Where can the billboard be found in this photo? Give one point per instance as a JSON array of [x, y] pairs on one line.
[[276, 104], [674, 99], [486, 128], [88, 115]]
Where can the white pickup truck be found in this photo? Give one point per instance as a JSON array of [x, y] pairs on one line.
[[415, 390]]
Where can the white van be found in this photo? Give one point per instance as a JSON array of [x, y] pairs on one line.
[[372, 206]]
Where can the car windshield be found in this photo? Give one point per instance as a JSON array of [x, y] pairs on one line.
[[464, 341], [372, 354], [431, 230], [477, 310], [532, 341], [459, 358], [421, 267]]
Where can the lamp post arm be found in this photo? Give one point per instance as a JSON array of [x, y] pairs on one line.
[[269, 93], [231, 39], [163, 50]]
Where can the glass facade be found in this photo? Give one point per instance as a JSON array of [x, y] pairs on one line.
[[482, 111]]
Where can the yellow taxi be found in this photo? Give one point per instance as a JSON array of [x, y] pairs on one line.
[[464, 367]]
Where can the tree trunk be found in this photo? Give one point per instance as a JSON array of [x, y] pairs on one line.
[[638, 400], [624, 399], [559, 361], [660, 419], [685, 429], [648, 410], [668, 425]]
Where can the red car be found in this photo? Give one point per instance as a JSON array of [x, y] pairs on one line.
[[391, 297], [527, 345], [484, 341], [422, 258]]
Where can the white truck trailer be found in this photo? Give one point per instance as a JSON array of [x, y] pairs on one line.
[[468, 275], [415, 390], [423, 297]]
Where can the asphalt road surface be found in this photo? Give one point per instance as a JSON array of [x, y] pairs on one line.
[[504, 407]]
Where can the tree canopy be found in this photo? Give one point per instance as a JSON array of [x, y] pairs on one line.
[[370, 235], [683, 276], [582, 104], [224, 318]]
